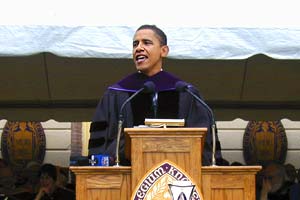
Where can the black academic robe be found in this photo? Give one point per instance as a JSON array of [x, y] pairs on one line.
[[171, 105]]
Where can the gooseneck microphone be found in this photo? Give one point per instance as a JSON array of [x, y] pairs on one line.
[[182, 86], [148, 87]]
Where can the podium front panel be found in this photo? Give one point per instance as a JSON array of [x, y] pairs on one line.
[[229, 182], [102, 183], [150, 146]]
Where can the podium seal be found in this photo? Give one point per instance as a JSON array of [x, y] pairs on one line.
[[157, 184]]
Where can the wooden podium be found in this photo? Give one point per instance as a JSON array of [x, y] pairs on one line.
[[149, 146]]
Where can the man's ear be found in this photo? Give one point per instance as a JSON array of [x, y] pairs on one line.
[[164, 51]]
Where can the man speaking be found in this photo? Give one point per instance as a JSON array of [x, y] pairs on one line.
[[164, 102]]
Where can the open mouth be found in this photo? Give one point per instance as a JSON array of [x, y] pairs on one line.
[[140, 58]]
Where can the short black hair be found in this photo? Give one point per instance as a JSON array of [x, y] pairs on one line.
[[48, 169], [162, 36]]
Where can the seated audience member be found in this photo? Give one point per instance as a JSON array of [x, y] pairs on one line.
[[7, 178], [298, 175], [31, 175], [236, 163], [49, 189], [295, 188], [291, 173], [62, 176], [223, 162], [274, 184], [28, 183]]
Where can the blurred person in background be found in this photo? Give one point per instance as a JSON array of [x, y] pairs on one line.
[[49, 189]]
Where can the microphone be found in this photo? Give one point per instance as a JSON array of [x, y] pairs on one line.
[[148, 87], [182, 86]]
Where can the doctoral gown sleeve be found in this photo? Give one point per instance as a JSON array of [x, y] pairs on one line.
[[104, 126]]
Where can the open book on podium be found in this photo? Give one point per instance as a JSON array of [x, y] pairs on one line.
[[156, 123]]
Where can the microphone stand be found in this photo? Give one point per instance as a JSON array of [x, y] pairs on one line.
[[148, 87], [213, 158], [213, 125], [120, 123]]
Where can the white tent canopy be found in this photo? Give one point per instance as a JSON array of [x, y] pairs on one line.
[[184, 42], [57, 57]]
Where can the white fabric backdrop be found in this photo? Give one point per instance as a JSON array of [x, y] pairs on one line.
[[196, 29]]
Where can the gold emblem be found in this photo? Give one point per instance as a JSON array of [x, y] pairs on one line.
[[264, 141], [23, 142]]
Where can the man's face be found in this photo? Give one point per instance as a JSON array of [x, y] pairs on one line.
[[47, 183], [275, 178], [147, 52], [291, 172]]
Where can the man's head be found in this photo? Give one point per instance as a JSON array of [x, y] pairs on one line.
[[49, 170], [275, 174], [298, 175], [162, 36], [48, 176], [149, 49], [291, 172]]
